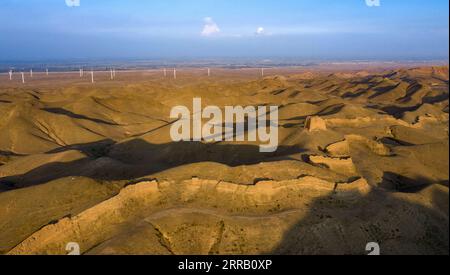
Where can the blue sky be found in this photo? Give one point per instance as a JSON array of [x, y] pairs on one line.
[[309, 29]]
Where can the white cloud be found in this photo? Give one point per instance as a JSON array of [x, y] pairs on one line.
[[260, 31], [73, 3], [210, 27]]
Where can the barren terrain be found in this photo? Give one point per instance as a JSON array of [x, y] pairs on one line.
[[362, 157]]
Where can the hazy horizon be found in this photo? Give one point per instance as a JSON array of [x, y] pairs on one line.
[[201, 29]]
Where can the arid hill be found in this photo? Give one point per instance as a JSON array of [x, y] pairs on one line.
[[362, 157]]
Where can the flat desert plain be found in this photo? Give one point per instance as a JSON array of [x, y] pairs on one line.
[[362, 157]]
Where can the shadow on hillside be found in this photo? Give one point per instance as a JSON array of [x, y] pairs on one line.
[[334, 226], [107, 160], [394, 181], [327, 111], [394, 110], [10, 154], [383, 90], [64, 112]]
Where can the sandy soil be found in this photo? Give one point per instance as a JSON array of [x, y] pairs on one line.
[[363, 157]]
